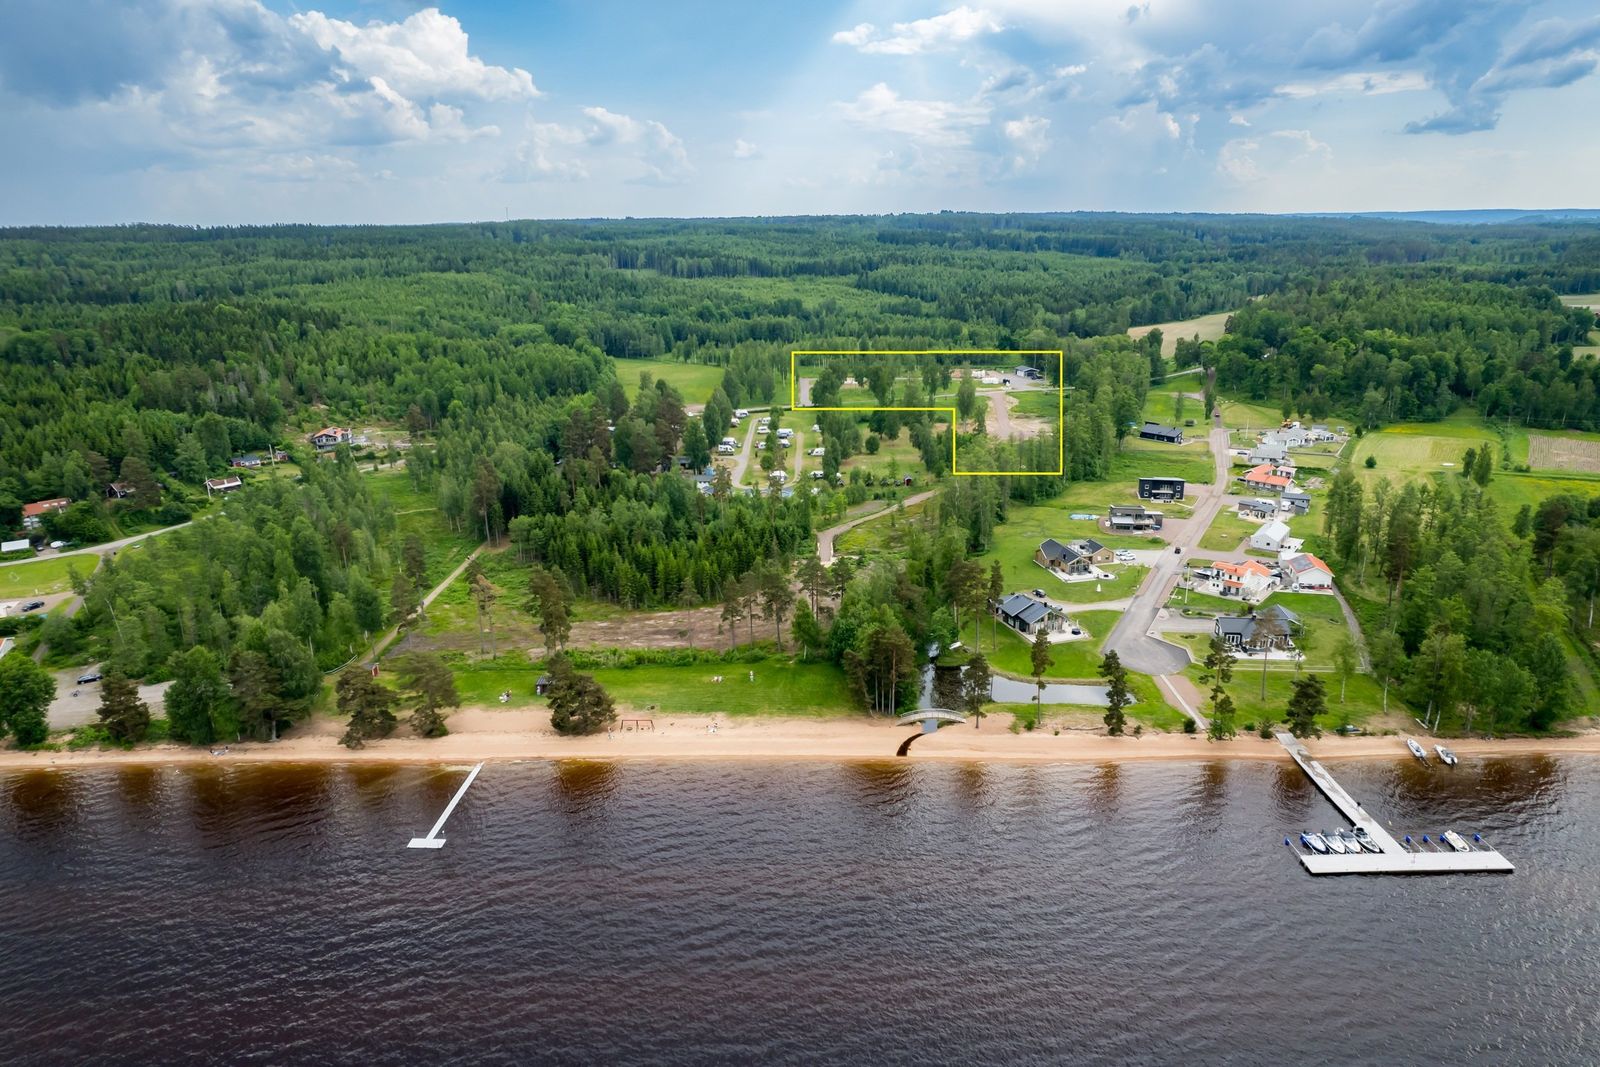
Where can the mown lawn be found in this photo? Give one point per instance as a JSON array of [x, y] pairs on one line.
[[1226, 532], [1363, 697], [695, 381], [1016, 540], [44, 576], [1149, 708], [1146, 459], [1011, 653], [1323, 626], [781, 687]]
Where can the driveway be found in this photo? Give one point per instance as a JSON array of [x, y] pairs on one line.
[[67, 710]]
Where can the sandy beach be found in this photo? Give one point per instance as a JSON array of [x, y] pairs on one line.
[[485, 734]]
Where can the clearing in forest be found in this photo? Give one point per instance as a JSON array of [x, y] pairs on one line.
[[813, 358], [1564, 453]]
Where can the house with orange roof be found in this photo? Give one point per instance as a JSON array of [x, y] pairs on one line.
[[1249, 580], [1307, 572], [1265, 478]]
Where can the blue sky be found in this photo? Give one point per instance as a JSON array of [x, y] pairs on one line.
[[224, 111]]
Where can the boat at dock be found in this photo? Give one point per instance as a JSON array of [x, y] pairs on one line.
[[1335, 843], [1316, 843], [1455, 841], [1446, 757], [1365, 840], [1352, 844], [1416, 749]]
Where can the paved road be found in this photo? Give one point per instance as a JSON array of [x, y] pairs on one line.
[[741, 462], [68, 710], [1131, 638], [97, 550], [825, 538]]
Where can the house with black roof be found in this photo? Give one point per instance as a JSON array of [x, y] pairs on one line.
[[1268, 630], [1167, 435], [1028, 616]]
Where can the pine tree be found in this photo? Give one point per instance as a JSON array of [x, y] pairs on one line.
[[1118, 694], [1306, 703], [1040, 659], [977, 681], [432, 689], [369, 705], [125, 716], [579, 705]]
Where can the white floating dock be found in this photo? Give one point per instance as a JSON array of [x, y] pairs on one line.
[[433, 840], [1394, 857]]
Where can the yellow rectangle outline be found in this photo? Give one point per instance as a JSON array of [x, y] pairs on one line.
[[1061, 395]]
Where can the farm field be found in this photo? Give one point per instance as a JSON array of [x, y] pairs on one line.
[[696, 381], [1564, 453], [1412, 450], [1206, 327]]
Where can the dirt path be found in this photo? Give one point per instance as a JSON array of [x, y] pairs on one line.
[[825, 538], [387, 639], [109, 548], [797, 450], [741, 462]]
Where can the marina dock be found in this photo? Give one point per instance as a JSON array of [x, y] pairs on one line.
[[1394, 856]]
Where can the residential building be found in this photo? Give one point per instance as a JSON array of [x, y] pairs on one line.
[[1306, 571], [1271, 629], [1270, 537], [249, 461], [1250, 580], [1256, 508], [1029, 616], [33, 514], [1133, 517], [1094, 551], [1161, 489], [330, 437], [1061, 558], [223, 485], [119, 490], [1264, 478], [1297, 503], [1154, 431], [1268, 452]]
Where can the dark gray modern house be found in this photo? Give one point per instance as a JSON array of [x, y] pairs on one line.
[[1163, 489], [1167, 435]]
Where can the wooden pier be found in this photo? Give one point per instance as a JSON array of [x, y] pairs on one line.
[[433, 840], [1393, 857]]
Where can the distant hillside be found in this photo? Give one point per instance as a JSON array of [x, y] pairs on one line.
[[1482, 217]]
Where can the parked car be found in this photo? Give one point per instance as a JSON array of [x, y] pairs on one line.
[[33, 605], [741, 413], [1040, 593], [89, 676], [58, 545], [1124, 556]]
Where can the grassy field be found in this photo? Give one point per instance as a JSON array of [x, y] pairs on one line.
[[1206, 327], [1363, 697], [1322, 621], [882, 534], [1037, 404], [1149, 708], [1010, 652], [1016, 540], [900, 454], [1159, 407], [696, 381], [782, 687], [1418, 449], [418, 513], [42, 577], [1226, 531], [1144, 459]]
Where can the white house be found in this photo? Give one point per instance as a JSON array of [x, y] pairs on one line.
[[1270, 537], [1248, 580], [1305, 571]]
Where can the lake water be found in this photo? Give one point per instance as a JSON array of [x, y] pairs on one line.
[[885, 912]]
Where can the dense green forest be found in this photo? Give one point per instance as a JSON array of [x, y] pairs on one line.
[[150, 356]]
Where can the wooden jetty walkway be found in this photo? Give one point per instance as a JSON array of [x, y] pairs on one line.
[[1393, 857]]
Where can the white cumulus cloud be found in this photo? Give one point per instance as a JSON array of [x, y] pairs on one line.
[[952, 28]]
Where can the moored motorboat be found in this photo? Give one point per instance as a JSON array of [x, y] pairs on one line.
[[1365, 840], [1352, 844], [1455, 841], [1446, 757], [1316, 843], [1416, 749], [1335, 843]]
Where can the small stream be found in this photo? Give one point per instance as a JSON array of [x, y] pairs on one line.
[[941, 689]]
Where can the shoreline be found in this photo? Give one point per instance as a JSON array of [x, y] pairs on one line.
[[480, 734]]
